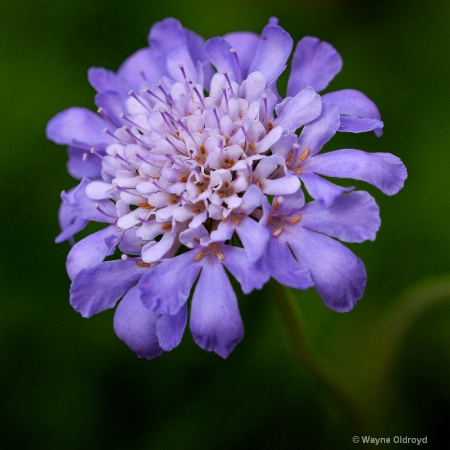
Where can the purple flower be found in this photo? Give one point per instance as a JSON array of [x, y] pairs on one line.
[[198, 173]]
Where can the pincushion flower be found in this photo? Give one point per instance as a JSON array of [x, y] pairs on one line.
[[196, 165]]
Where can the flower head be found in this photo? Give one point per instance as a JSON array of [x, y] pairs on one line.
[[197, 172]]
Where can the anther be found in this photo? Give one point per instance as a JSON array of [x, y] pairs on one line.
[[276, 204], [296, 219], [142, 264], [277, 232], [304, 155], [199, 255], [290, 156], [298, 171], [166, 227], [220, 256], [145, 205]]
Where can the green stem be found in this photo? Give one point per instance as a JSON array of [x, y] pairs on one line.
[[330, 385]]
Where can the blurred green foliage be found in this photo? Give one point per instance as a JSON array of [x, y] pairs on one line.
[[67, 382]]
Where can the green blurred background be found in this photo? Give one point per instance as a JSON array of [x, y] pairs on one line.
[[68, 382]]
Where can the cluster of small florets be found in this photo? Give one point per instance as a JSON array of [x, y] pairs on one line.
[[196, 171]]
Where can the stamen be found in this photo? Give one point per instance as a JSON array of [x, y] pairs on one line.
[[217, 119], [277, 232], [102, 114], [220, 256], [290, 156], [185, 128], [142, 264], [296, 219], [276, 204], [168, 97], [166, 227], [264, 97], [149, 92], [116, 155], [85, 155], [100, 210], [127, 119], [93, 152], [225, 73], [145, 205], [199, 255], [106, 131], [121, 189], [128, 131], [224, 90], [146, 161], [304, 155], [81, 144], [132, 94], [194, 88], [298, 171], [181, 67], [234, 53]]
